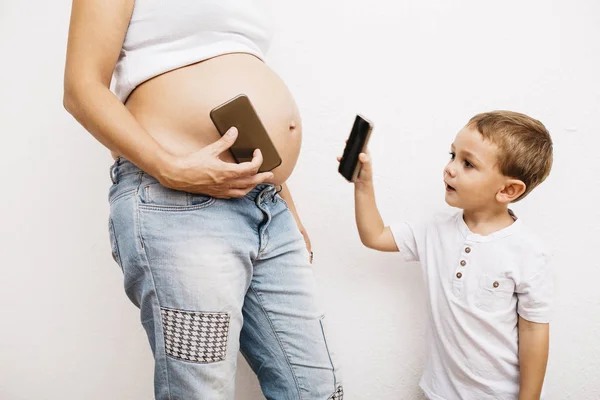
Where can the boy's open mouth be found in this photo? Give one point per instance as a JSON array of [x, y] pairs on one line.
[[450, 188]]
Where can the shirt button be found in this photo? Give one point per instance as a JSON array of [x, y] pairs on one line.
[[496, 284], [458, 275], [463, 263], [467, 250]]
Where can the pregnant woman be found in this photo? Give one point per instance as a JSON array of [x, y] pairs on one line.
[[212, 252]]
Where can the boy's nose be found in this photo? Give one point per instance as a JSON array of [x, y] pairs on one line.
[[449, 171]]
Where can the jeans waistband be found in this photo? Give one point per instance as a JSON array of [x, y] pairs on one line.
[[122, 167]]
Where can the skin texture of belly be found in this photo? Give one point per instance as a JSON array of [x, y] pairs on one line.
[[174, 107]]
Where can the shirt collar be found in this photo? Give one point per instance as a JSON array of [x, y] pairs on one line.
[[475, 237]]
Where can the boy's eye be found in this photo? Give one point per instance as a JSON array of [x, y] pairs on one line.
[[452, 155], [468, 164]]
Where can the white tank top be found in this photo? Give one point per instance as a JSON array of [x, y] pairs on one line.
[[167, 34]]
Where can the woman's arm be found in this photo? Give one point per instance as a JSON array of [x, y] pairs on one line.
[[96, 35], [287, 196], [533, 357]]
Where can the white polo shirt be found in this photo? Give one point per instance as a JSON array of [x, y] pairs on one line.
[[476, 288]]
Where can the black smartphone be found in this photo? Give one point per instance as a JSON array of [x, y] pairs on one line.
[[357, 143], [252, 134]]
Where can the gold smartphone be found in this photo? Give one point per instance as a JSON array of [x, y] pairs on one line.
[[252, 134]]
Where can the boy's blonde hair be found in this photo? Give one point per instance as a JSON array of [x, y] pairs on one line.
[[525, 145]]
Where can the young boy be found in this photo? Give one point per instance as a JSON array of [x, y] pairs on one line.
[[486, 274]]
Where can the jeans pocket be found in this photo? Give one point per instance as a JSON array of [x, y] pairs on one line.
[[113, 243], [153, 195]]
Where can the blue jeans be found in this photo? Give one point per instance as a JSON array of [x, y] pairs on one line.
[[214, 276]]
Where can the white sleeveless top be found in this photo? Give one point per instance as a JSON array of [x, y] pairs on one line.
[[168, 34]]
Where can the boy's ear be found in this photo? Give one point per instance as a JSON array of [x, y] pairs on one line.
[[512, 190]]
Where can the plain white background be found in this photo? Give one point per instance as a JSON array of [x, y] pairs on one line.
[[419, 70]]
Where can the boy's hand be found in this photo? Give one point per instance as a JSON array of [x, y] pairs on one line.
[[365, 176]]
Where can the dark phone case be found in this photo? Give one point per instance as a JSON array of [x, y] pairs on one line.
[[357, 143], [252, 134]]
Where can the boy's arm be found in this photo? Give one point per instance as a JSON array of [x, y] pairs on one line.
[[533, 356], [373, 233]]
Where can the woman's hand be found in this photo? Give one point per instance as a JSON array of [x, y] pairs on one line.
[[204, 172]]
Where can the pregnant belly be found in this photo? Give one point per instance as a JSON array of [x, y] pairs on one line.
[[174, 107]]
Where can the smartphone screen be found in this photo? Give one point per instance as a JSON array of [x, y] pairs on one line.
[[357, 143]]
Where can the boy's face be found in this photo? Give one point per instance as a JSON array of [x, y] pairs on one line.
[[472, 176]]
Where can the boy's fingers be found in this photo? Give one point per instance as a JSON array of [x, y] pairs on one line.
[[339, 158]]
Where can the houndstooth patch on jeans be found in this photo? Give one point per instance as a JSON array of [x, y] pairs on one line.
[[195, 336], [338, 395]]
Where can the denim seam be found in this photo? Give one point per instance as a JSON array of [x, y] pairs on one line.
[[248, 199], [147, 265], [263, 245], [265, 234], [278, 339], [335, 383], [254, 199], [128, 173], [196, 311], [246, 357], [120, 196], [119, 176], [115, 244], [281, 199], [196, 362]]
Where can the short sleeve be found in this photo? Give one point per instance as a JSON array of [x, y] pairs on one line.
[[536, 290], [405, 238]]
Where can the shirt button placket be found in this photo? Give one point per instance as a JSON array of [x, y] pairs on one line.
[[464, 260]]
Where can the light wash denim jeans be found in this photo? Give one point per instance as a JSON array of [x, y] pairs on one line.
[[212, 277]]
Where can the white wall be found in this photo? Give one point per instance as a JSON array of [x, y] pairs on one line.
[[419, 69]]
